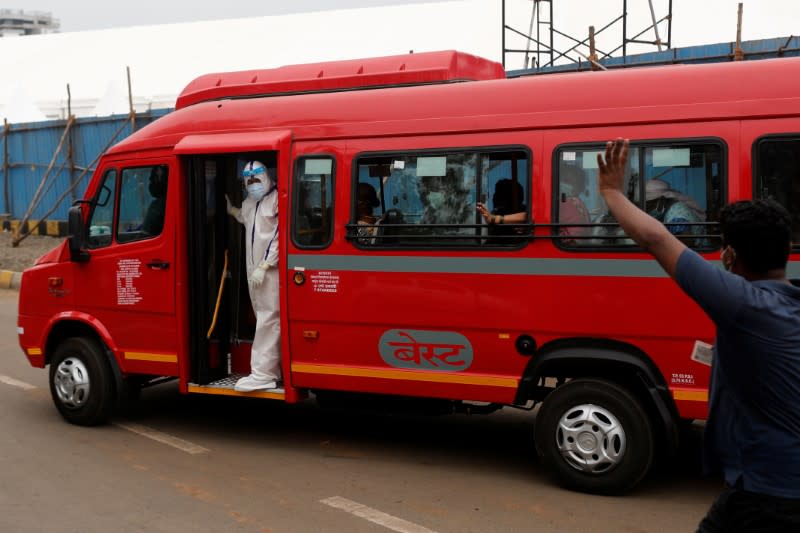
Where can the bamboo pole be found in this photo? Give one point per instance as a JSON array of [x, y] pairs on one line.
[[592, 50], [38, 194], [738, 53], [70, 144], [15, 242], [131, 111], [6, 166], [655, 25]]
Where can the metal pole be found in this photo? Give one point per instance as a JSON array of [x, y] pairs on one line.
[[624, 29], [534, 10], [551, 32], [669, 26], [655, 24], [503, 35]]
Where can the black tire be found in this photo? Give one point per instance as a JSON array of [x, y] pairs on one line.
[[81, 382], [611, 424]]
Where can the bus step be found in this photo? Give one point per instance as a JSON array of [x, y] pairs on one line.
[[224, 387]]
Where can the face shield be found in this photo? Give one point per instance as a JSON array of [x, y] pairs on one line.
[[256, 180]]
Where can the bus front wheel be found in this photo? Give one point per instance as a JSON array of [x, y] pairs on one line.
[[595, 436], [81, 382]]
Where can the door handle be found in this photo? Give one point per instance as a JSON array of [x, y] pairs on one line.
[[158, 264]]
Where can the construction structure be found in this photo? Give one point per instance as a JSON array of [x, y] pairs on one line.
[[540, 51], [16, 23]]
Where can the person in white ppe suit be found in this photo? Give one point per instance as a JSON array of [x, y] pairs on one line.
[[259, 215]]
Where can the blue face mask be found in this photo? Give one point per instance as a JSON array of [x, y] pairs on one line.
[[256, 191]]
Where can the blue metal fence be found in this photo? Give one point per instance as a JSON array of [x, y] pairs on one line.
[[28, 149]]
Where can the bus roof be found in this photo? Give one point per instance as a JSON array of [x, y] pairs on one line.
[[717, 91], [408, 69]]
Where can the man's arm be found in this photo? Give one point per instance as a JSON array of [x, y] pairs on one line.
[[645, 230]]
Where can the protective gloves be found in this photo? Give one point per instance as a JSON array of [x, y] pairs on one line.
[[257, 276], [233, 211]]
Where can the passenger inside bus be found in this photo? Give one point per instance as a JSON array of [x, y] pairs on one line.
[[571, 208], [678, 211], [445, 199], [366, 202], [154, 217], [509, 208]]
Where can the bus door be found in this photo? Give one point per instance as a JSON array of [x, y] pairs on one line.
[[128, 282], [221, 320]]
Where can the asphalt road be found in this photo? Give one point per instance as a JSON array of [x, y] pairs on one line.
[[261, 466]]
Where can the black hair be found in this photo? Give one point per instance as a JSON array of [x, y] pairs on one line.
[[370, 195], [759, 231], [509, 197]]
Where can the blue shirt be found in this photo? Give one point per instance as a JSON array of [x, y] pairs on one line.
[[752, 434]]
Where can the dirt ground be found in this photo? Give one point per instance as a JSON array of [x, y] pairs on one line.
[[25, 255]]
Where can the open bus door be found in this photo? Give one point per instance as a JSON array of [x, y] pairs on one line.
[[221, 321]]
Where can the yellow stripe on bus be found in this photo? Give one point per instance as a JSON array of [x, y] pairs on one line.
[[407, 375], [155, 357], [692, 395], [34, 351]]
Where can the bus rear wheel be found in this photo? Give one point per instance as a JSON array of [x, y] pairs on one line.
[[81, 382], [594, 436]]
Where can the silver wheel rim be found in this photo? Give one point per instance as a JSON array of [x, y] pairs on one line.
[[591, 439], [71, 381]]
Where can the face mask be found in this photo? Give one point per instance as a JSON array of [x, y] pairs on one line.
[[256, 191], [435, 199]]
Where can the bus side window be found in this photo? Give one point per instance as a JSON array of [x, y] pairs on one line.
[[681, 184], [142, 203], [312, 224], [101, 221], [777, 176], [430, 199]]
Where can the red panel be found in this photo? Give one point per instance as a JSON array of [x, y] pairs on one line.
[[430, 67], [220, 143]]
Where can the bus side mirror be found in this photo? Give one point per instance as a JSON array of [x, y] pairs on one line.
[[77, 235]]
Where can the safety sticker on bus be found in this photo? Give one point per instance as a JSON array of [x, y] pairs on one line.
[[127, 271], [702, 353], [325, 281]]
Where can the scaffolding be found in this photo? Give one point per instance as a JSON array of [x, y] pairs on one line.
[[540, 51]]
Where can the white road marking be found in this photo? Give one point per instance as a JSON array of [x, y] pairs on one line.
[[373, 515], [16, 383], [163, 438]]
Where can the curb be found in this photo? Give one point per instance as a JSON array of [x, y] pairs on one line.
[[53, 228], [10, 279]]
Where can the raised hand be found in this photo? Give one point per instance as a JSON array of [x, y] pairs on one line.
[[612, 168]]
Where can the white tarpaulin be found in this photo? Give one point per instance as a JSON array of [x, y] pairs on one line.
[[164, 58]]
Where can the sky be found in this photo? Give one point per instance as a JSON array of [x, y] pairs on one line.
[[695, 21]]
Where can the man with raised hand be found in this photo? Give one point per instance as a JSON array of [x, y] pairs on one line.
[[752, 436]]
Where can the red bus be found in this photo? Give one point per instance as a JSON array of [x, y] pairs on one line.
[[554, 308]]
